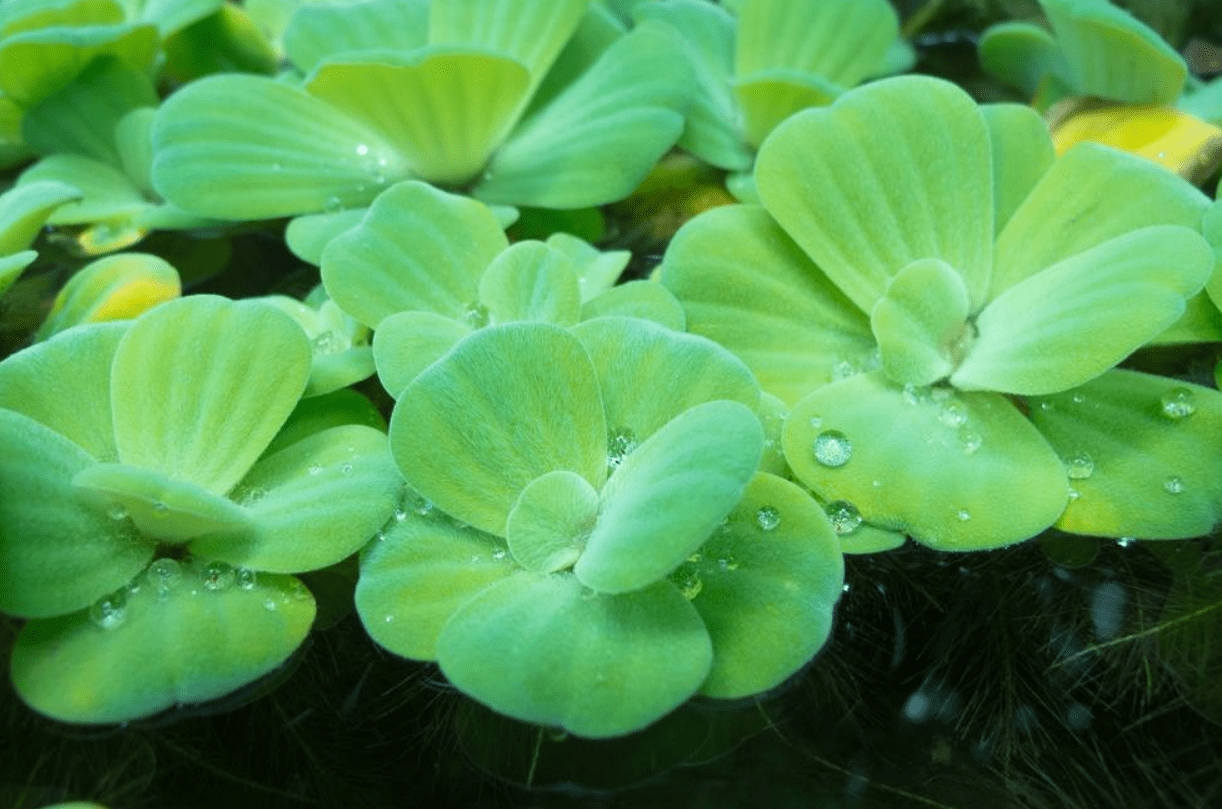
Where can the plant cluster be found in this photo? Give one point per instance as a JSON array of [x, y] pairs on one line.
[[589, 497]]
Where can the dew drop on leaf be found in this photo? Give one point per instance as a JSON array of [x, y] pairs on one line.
[[346, 469], [767, 518], [1125, 542], [844, 517], [109, 611], [620, 442], [315, 468], [1178, 403], [245, 578], [1174, 485], [832, 448], [952, 413], [326, 343], [269, 605], [971, 440], [476, 315], [963, 515], [164, 575], [1074, 494], [1079, 466], [727, 563], [688, 580], [218, 576], [117, 511]]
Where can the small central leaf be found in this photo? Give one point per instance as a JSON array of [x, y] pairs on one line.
[[549, 524], [920, 322]]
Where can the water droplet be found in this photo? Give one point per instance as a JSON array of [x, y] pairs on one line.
[[117, 511], [253, 495], [1178, 403], [333, 205], [832, 448], [388, 618], [843, 370], [971, 440], [1046, 405], [218, 576], [963, 515], [499, 554], [362, 149], [1078, 398], [1125, 542], [727, 563], [914, 395], [327, 343], [695, 557], [952, 413], [1079, 466], [315, 468], [877, 484], [476, 315], [164, 575], [1174, 485], [380, 536], [400, 515], [767, 518], [844, 516], [269, 605], [845, 588], [619, 443], [346, 469], [160, 509], [109, 611], [816, 422], [1074, 494], [688, 580], [245, 578]]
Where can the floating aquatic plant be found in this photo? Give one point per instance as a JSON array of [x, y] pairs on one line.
[[942, 302]]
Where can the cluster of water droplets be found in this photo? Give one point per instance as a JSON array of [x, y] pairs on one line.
[[620, 442], [166, 576]]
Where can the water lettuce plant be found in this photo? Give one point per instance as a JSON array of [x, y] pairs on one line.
[[590, 558], [23, 211], [464, 95], [150, 515], [942, 303]]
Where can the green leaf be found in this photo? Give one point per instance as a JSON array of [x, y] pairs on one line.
[[309, 234], [34, 64], [171, 646], [681, 371], [25, 208], [1090, 195], [1022, 153], [172, 15], [1109, 54], [1073, 321], [595, 142], [408, 342], [647, 300], [842, 41], [770, 579], [597, 271], [919, 320], [531, 281], [56, 554], [418, 574], [418, 249], [133, 137], [744, 284], [227, 40], [444, 111], [551, 520], [768, 98], [319, 30], [1142, 455], [247, 147], [64, 383], [1211, 228], [536, 648], [80, 117], [1020, 54], [668, 494], [160, 507], [116, 287], [107, 193], [532, 32], [12, 266], [895, 171], [506, 405], [312, 503], [320, 413], [956, 471], [200, 386]]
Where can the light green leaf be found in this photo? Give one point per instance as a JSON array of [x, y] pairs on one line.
[[596, 271], [171, 15], [330, 372], [746, 285], [64, 383], [227, 40], [1142, 453], [598, 28], [56, 554], [200, 385], [418, 249], [668, 494], [595, 142], [30, 15], [247, 147], [506, 405], [536, 648], [319, 30], [919, 321], [312, 503], [680, 371], [12, 266], [532, 32], [1211, 228], [768, 98], [320, 413], [1200, 323], [80, 117], [116, 287], [1091, 194], [107, 193], [842, 41], [418, 574], [1109, 54], [770, 579], [408, 342], [309, 234], [647, 300], [191, 644], [133, 138], [531, 281], [444, 111], [1020, 54], [34, 64], [25, 208], [162, 508], [894, 171], [956, 471], [1073, 321], [551, 520], [1022, 152]]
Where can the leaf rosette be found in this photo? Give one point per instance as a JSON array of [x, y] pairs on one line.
[[602, 556], [150, 515], [926, 284]]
